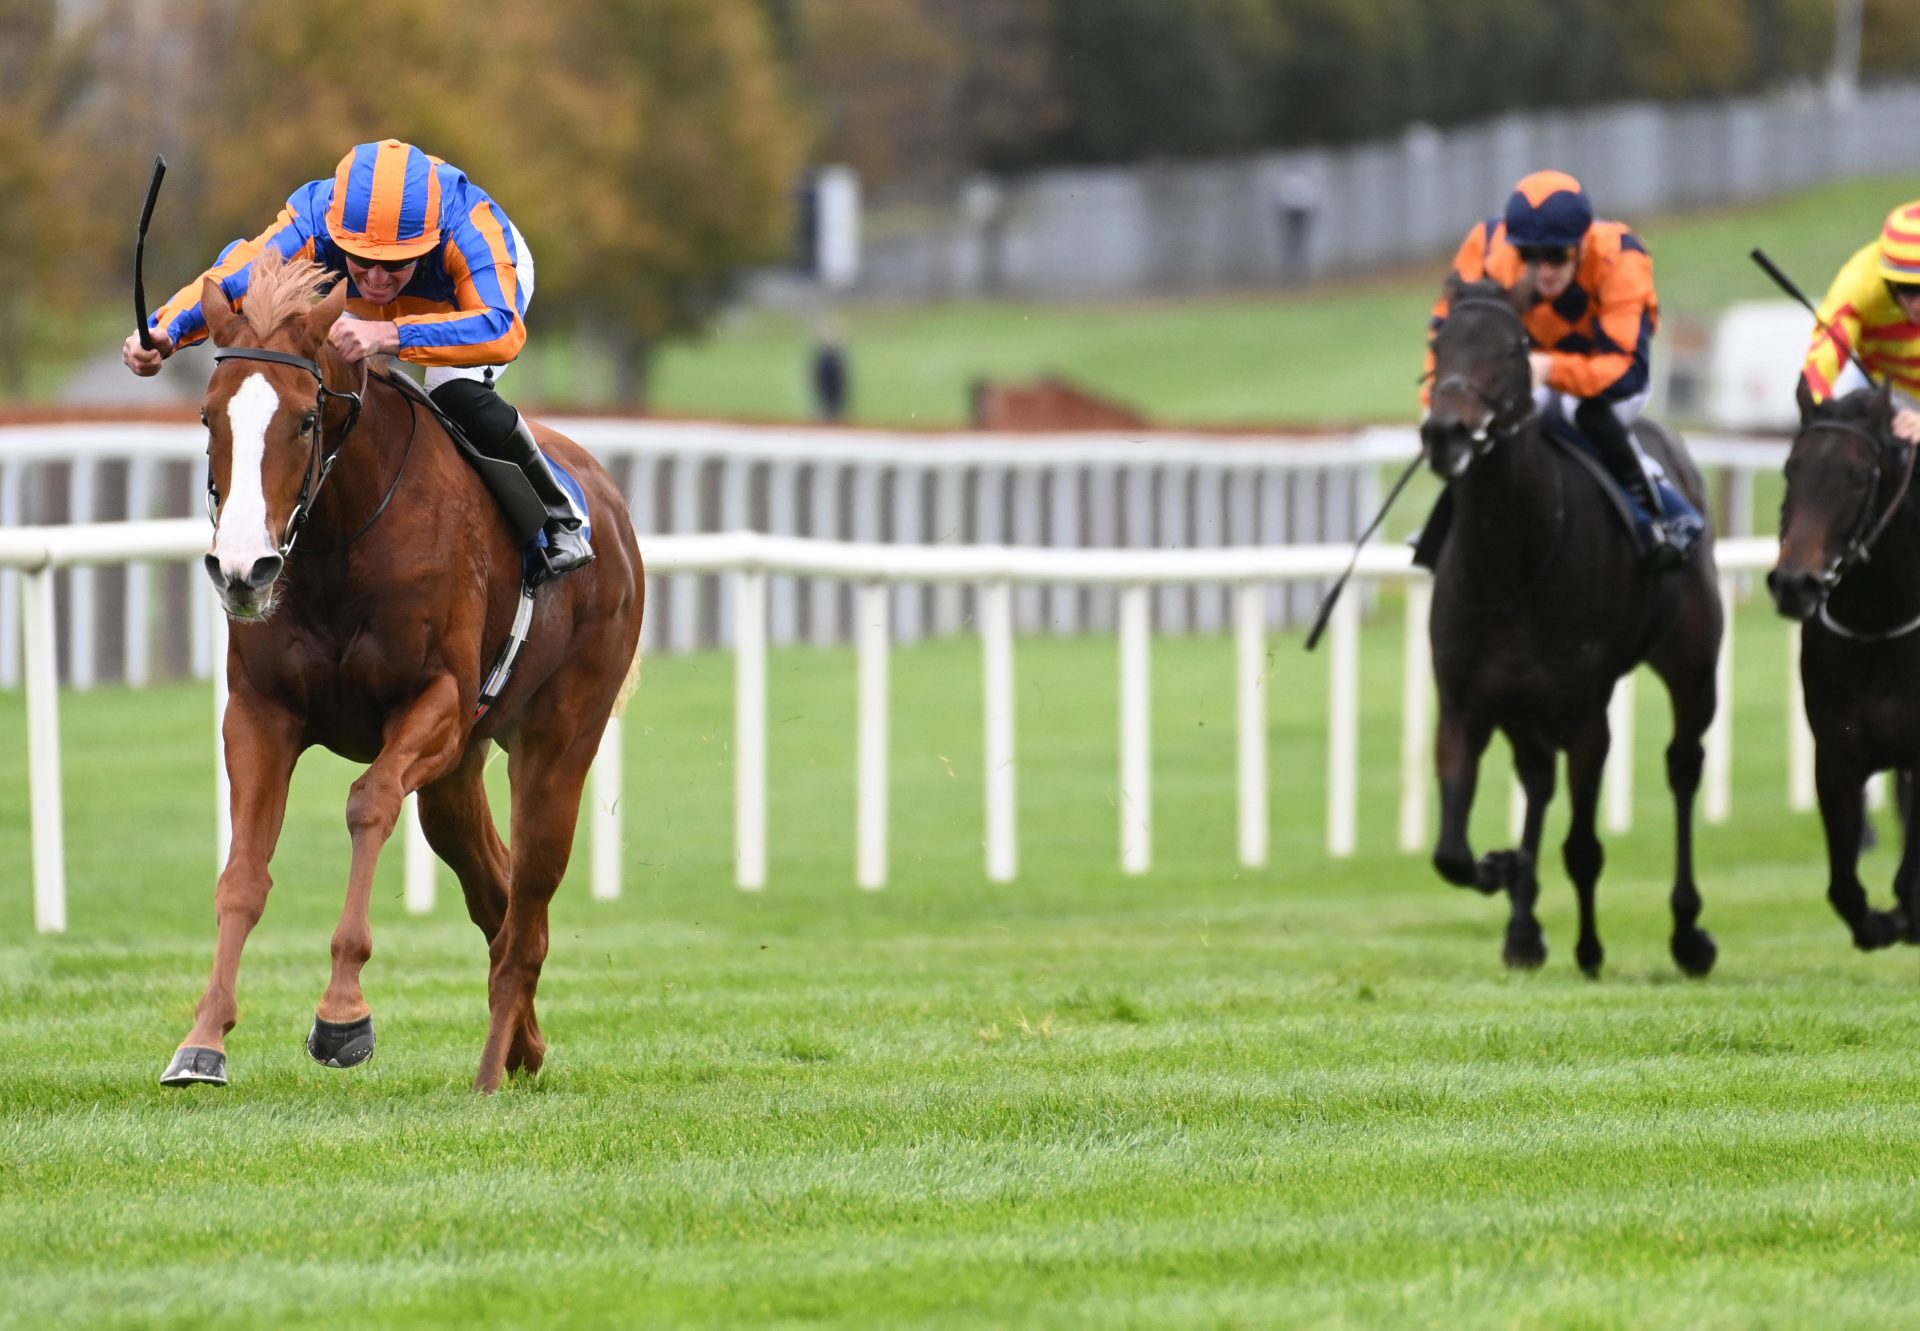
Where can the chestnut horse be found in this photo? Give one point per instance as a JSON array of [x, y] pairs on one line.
[[1849, 571], [1541, 601], [370, 637]]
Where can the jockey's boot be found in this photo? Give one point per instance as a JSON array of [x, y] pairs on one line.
[[1609, 434], [567, 547]]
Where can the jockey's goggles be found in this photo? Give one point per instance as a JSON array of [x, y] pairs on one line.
[[384, 265], [1550, 255], [1904, 290]]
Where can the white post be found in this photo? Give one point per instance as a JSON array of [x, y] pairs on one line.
[[608, 777], [1416, 720], [1343, 725], [996, 634], [43, 752], [871, 635], [750, 731], [81, 666], [1718, 803], [1800, 794], [1136, 733], [214, 644], [1619, 777], [421, 864], [1250, 689]]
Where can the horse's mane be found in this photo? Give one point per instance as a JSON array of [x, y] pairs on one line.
[[281, 289]]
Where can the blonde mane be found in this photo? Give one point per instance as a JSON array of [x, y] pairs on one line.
[[282, 289]]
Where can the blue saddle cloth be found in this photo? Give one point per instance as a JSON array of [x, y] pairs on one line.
[[1684, 523], [575, 491]]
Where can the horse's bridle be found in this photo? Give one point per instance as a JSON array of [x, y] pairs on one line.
[[1866, 528], [1508, 413], [322, 458]]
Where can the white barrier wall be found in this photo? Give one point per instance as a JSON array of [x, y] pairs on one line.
[[1151, 491], [749, 559]]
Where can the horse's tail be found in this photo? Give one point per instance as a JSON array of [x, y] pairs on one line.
[[631, 683]]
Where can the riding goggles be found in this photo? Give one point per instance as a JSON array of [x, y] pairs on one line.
[[1550, 255]]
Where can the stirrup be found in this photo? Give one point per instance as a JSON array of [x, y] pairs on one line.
[[566, 550], [1662, 553]]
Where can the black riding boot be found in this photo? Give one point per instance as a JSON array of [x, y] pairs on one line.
[[497, 430], [1597, 421]]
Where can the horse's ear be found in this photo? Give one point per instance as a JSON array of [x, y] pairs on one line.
[[218, 311], [321, 318], [1453, 287], [1520, 294], [1882, 407], [1803, 398]]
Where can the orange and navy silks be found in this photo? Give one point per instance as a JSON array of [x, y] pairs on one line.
[[462, 306], [1599, 330], [1860, 315]]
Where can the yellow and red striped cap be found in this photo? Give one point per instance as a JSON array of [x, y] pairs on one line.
[[1900, 245]]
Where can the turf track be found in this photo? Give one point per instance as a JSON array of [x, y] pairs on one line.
[[1306, 1095]]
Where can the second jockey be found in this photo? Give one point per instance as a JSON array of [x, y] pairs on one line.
[[1873, 311]]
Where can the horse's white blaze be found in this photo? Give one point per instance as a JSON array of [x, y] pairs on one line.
[[240, 540]]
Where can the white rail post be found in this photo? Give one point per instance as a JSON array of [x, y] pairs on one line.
[[996, 636], [422, 867], [871, 635], [1136, 732], [608, 778], [1250, 691], [213, 619], [750, 731], [1800, 794], [1619, 777], [43, 752], [1718, 803], [1416, 720], [1343, 725]]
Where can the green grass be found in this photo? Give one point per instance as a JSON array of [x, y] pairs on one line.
[[1337, 353], [1305, 1095]]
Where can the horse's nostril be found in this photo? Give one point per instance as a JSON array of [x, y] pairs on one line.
[[264, 571], [213, 570]]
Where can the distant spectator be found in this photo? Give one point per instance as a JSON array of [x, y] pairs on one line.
[[1298, 198], [830, 375]]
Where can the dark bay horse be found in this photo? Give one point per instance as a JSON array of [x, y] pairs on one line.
[[1849, 571], [1541, 601], [370, 638]]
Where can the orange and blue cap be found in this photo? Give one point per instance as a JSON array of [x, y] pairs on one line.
[[386, 202], [1548, 208]]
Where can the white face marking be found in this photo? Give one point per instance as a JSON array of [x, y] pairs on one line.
[[241, 540]]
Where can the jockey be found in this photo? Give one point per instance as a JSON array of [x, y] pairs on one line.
[[1591, 320], [436, 275], [1873, 310]]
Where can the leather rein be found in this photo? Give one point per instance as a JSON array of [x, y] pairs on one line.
[[323, 455]]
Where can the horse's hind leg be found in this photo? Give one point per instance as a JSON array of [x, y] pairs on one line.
[[1838, 786], [547, 780], [458, 821], [1458, 743], [1582, 852], [419, 745], [1686, 663], [1526, 945]]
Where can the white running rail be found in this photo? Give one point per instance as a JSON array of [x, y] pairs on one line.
[[750, 559]]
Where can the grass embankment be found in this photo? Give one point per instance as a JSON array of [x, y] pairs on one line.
[[1304, 1095]]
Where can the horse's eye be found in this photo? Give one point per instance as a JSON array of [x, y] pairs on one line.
[[203, 419], [308, 422]]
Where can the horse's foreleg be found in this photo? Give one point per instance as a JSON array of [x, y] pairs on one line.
[[1457, 746], [262, 742], [547, 778], [421, 743], [1841, 813], [1582, 852], [1526, 945]]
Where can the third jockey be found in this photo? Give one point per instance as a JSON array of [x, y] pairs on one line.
[[437, 276]]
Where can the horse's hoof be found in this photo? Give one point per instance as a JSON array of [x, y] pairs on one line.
[[196, 1065], [341, 1044], [1878, 929], [1695, 952], [1524, 953]]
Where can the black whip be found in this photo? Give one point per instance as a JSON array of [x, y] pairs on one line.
[[1788, 285], [1326, 606], [140, 254]]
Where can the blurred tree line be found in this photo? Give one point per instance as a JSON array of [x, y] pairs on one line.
[[930, 87], [651, 148]]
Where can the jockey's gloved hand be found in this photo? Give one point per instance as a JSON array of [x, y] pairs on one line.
[[142, 361]]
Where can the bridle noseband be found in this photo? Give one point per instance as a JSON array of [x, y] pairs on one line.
[[1508, 413], [321, 461]]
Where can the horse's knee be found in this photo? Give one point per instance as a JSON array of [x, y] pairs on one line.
[[1684, 763], [241, 898], [373, 807]]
